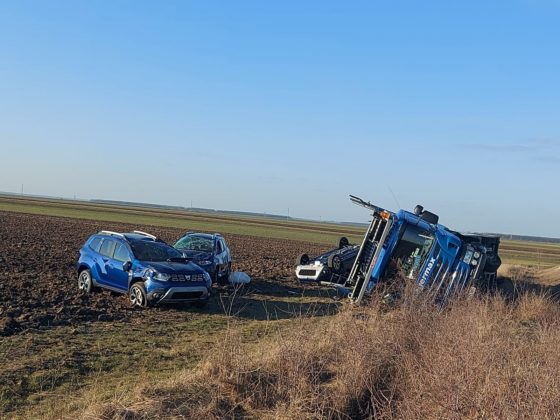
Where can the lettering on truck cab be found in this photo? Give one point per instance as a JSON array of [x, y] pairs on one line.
[[427, 272]]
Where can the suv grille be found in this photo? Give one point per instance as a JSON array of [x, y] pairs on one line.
[[187, 277], [186, 295], [307, 272]]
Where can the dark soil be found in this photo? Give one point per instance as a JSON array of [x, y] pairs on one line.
[[38, 284]]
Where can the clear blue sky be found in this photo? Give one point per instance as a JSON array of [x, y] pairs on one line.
[[265, 106]]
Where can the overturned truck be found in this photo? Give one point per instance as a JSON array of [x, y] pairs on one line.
[[416, 245]]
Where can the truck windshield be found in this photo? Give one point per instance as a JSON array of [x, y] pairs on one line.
[[413, 249]]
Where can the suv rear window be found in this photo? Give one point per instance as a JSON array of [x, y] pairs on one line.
[[107, 248], [94, 243]]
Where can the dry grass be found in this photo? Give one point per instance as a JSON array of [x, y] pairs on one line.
[[477, 358]]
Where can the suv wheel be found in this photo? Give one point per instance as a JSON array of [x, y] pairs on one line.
[[137, 295], [225, 276], [302, 259], [343, 242], [85, 283], [334, 262]]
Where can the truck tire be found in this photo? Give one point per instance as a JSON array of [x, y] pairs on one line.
[[491, 281], [343, 242], [302, 259]]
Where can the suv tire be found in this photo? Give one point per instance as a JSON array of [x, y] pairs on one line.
[[85, 282], [335, 263], [137, 295], [303, 259], [225, 277]]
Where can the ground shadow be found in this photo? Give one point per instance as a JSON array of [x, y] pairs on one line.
[[273, 300], [268, 300], [512, 289]]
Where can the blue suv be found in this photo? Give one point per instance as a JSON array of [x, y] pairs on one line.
[[143, 266], [210, 252]]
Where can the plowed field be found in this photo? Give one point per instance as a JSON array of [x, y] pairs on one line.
[[38, 280]]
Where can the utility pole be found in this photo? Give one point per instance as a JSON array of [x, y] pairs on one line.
[[288, 218], [21, 189]]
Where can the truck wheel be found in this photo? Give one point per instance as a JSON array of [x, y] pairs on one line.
[[335, 263], [302, 259], [343, 242], [137, 295], [491, 281], [85, 283]]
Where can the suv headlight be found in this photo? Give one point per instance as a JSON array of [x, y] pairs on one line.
[[161, 276], [207, 276], [156, 275], [204, 262]]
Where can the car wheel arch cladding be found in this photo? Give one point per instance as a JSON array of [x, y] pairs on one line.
[[133, 280], [136, 275], [83, 267]]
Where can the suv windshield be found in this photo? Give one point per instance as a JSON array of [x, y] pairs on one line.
[[195, 243], [413, 249], [154, 251]]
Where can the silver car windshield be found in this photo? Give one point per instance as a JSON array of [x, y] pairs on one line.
[[195, 243]]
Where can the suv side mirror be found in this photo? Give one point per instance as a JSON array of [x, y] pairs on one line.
[[127, 265]]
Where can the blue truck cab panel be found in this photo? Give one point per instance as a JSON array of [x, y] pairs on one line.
[[420, 249], [424, 251]]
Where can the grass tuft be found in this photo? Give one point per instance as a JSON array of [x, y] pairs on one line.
[[479, 357]]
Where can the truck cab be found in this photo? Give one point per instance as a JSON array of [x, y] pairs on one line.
[[416, 246]]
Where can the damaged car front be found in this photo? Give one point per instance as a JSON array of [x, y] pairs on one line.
[[161, 274]]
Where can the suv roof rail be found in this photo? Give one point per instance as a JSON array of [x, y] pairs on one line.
[[218, 234], [149, 235], [110, 232]]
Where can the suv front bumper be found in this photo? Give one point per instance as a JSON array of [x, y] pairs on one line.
[[310, 272], [180, 294]]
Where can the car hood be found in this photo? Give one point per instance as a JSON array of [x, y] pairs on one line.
[[174, 267], [197, 255]]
